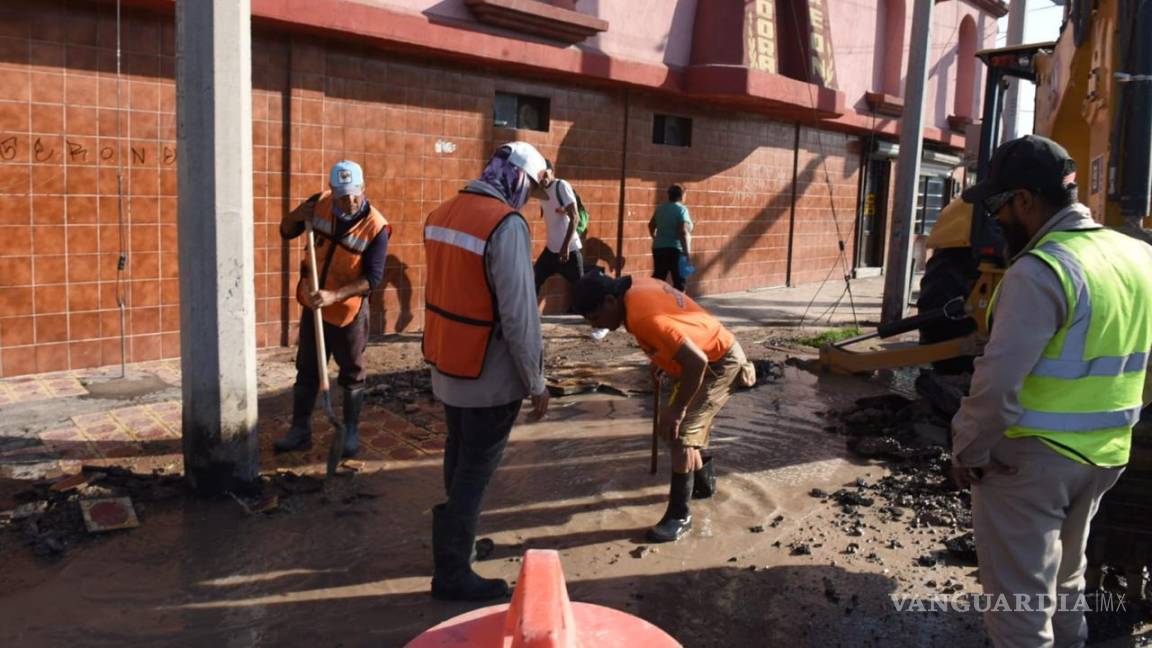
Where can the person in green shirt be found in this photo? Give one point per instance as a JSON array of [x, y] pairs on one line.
[[669, 228]]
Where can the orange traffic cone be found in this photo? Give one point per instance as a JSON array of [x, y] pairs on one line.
[[541, 616]]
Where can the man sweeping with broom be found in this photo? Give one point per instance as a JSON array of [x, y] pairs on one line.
[[350, 250]]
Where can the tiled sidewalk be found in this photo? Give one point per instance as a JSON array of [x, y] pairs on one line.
[[146, 437]]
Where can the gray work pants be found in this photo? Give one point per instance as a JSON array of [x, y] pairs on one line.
[[1031, 526]]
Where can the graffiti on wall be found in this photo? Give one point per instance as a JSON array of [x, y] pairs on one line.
[[76, 152]]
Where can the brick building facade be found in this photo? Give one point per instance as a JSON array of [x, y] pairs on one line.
[[776, 166]]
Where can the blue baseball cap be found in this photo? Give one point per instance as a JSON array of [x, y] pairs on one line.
[[346, 179]]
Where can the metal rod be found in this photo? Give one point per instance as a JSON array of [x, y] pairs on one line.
[[122, 259]]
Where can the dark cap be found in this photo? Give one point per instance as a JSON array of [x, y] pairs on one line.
[[1031, 162], [591, 289]]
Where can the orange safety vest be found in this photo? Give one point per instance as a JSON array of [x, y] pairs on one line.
[[460, 309], [340, 261]]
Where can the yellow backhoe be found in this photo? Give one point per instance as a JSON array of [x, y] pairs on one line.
[[1094, 97]]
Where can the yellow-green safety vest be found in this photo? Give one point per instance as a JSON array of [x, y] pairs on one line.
[[1084, 395]]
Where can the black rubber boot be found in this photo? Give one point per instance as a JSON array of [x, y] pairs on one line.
[[704, 480], [677, 520], [299, 437], [353, 403], [453, 542]]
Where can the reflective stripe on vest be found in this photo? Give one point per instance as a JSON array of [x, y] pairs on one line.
[[457, 238], [1084, 394], [461, 312], [1071, 363], [346, 265]]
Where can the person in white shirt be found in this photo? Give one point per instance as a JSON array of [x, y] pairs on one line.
[[561, 253]]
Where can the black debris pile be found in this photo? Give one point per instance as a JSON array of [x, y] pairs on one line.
[[49, 517], [912, 437], [397, 390]]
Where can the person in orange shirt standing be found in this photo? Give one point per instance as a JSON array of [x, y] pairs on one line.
[[693, 348]]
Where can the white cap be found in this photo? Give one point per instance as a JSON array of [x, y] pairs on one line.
[[525, 156]]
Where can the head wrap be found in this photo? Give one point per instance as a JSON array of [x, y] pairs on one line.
[[506, 179]]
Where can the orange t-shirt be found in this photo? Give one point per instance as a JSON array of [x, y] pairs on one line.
[[661, 318]]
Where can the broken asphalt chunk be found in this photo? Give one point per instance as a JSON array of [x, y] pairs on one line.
[[847, 497], [799, 549], [642, 551], [71, 482], [484, 548], [962, 548]]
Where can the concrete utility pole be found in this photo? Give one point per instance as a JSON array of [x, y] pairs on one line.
[[217, 287], [908, 166], [1017, 10]]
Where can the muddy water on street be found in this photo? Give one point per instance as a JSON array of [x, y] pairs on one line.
[[352, 568]]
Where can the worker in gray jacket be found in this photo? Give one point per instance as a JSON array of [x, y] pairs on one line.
[[1046, 429], [482, 338]]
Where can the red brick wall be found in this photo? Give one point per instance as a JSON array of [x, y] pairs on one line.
[[315, 103], [59, 213], [828, 181], [737, 175]]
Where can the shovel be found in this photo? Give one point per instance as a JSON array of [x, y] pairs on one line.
[[336, 451]]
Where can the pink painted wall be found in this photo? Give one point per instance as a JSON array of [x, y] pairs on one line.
[[854, 35], [657, 32], [647, 31]]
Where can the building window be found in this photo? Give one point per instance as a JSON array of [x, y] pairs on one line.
[[521, 111], [930, 199], [671, 130]]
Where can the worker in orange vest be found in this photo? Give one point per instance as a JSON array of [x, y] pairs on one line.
[[703, 359], [482, 338], [351, 248]]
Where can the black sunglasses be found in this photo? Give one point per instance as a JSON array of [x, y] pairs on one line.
[[996, 202]]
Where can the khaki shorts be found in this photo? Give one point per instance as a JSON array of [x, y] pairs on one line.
[[721, 378]]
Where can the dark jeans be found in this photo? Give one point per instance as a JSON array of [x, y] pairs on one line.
[[345, 343], [665, 260], [548, 264], [476, 440]]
